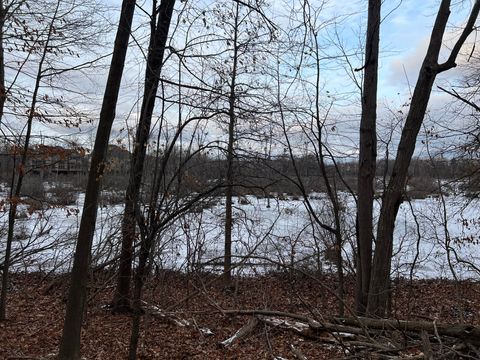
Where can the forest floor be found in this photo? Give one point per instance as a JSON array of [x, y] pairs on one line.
[[36, 306]]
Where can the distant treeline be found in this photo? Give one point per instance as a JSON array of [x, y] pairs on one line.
[[281, 175], [194, 172]]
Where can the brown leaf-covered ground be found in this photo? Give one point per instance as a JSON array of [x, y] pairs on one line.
[[37, 303]]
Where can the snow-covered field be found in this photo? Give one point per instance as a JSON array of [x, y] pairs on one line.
[[434, 237]]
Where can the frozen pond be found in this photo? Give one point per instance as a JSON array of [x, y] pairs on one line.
[[434, 237]]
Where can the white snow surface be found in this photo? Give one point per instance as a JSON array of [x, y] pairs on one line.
[[434, 237]]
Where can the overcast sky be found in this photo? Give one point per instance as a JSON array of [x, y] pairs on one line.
[[405, 31]]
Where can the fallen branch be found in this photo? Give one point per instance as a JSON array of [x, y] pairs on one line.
[[312, 323], [297, 353], [469, 333], [338, 338], [312, 329], [427, 347], [172, 318], [242, 332], [355, 332]]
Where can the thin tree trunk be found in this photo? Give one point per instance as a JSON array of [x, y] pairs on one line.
[[331, 191], [367, 157], [6, 263], [70, 342], [227, 267], [379, 286], [140, 277], [3, 91], [158, 40]]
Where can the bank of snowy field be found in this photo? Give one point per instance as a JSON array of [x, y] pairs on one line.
[[264, 238]]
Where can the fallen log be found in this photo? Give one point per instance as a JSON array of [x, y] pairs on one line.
[[309, 328], [363, 328], [312, 323], [469, 333]]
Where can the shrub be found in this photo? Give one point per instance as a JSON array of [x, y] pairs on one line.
[[420, 187], [112, 198], [63, 194], [243, 201], [33, 187]]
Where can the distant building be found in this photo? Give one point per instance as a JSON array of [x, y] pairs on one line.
[[46, 160], [49, 161]]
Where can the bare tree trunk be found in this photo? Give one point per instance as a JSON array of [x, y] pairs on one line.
[[70, 342], [158, 39], [367, 157], [3, 91], [140, 276], [6, 263], [338, 246], [227, 267], [379, 286], [331, 190]]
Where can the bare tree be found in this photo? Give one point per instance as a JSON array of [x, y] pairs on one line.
[[165, 205], [367, 157], [308, 124], [229, 178], [246, 33], [392, 197], [40, 49], [3, 95], [160, 25], [70, 342]]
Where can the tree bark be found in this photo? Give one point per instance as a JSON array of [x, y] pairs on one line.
[[70, 342], [367, 157], [140, 277], [158, 39]]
